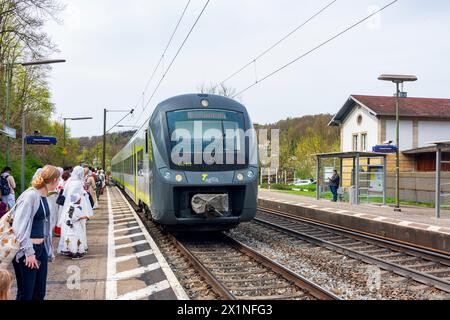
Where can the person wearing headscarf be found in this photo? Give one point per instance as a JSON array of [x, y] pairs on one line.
[[75, 185], [75, 235], [62, 183], [53, 206]]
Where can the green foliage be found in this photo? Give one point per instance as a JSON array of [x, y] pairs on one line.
[[32, 163], [302, 138]]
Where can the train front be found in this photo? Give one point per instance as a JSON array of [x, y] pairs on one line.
[[205, 163]]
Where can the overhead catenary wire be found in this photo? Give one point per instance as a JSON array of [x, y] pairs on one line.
[[314, 49], [174, 58], [161, 59], [273, 46]]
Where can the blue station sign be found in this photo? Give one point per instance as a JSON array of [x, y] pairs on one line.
[[41, 141], [385, 149]]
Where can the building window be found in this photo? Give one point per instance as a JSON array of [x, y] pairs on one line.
[[355, 142], [363, 141]]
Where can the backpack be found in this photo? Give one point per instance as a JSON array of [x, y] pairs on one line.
[[5, 190], [9, 246]]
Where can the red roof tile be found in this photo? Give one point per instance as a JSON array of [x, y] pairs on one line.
[[409, 107]]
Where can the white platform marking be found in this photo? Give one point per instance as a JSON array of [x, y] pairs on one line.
[[132, 244], [127, 229], [176, 286], [128, 236], [111, 284], [146, 292], [134, 256], [136, 272]]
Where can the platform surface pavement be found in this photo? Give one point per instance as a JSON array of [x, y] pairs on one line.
[[123, 262], [414, 217]]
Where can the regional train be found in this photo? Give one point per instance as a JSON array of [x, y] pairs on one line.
[[194, 165]]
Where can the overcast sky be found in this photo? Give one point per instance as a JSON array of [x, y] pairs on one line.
[[112, 46]]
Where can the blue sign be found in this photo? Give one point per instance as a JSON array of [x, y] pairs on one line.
[[41, 141], [385, 149]]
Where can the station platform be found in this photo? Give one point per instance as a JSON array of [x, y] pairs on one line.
[[123, 263], [414, 225]]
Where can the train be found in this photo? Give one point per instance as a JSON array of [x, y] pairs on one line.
[[194, 165]]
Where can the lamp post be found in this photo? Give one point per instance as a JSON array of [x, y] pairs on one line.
[[23, 119], [105, 112], [397, 79], [64, 137]]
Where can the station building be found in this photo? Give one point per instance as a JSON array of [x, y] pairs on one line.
[[367, 121]]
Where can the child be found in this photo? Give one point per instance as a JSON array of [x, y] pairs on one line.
[[75, 235], [6, 279]]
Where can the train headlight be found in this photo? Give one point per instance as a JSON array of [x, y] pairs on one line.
[[179, 177], [205, 103], [240, 177], [167, 175], [250, 174]]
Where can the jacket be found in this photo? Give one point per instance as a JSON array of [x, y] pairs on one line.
[[23, 216]]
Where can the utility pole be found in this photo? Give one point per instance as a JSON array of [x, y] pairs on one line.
[[7, 116], [104, 140]]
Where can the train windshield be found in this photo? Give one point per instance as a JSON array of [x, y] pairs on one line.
[[207, 139]]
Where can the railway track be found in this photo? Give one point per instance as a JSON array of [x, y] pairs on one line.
[[237, 272], [428, 268], [215, 266]]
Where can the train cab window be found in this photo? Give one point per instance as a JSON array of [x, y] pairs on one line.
[[206, 131]]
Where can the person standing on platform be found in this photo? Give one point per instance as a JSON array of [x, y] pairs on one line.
[[7, 187], [334, 185], [31, 226], [75, 185], [75, 235], [90, 186], [65, 177]]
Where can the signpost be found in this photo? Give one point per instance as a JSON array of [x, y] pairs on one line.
[[41, 141], [385, 148]]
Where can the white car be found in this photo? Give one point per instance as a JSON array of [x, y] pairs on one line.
[[300, 182]]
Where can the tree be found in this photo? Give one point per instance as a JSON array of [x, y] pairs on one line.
[[221, 90]]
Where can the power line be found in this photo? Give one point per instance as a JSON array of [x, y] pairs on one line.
[[167, 46], [161, 59], [276, 44], [175, 57], [315, 48]]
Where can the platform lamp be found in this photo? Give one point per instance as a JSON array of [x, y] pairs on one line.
[[397, 79], [64, 138], [28, 64]]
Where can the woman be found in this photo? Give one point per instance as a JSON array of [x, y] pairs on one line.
[[32, 229], [54, 208], [74, 186], [62, 183], [90, 186]]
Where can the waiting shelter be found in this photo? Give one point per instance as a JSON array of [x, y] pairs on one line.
[[363, 175], [441, 147]]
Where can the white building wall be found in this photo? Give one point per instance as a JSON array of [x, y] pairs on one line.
[[432, 131], [368, 125], [406, 133]]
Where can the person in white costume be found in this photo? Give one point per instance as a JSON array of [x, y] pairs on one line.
[[75, 235], [74, 186]]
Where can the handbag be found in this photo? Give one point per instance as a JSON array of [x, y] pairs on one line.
[[9, 246], [61, 198]]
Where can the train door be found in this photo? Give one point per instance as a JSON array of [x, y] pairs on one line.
[[140, 173]]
